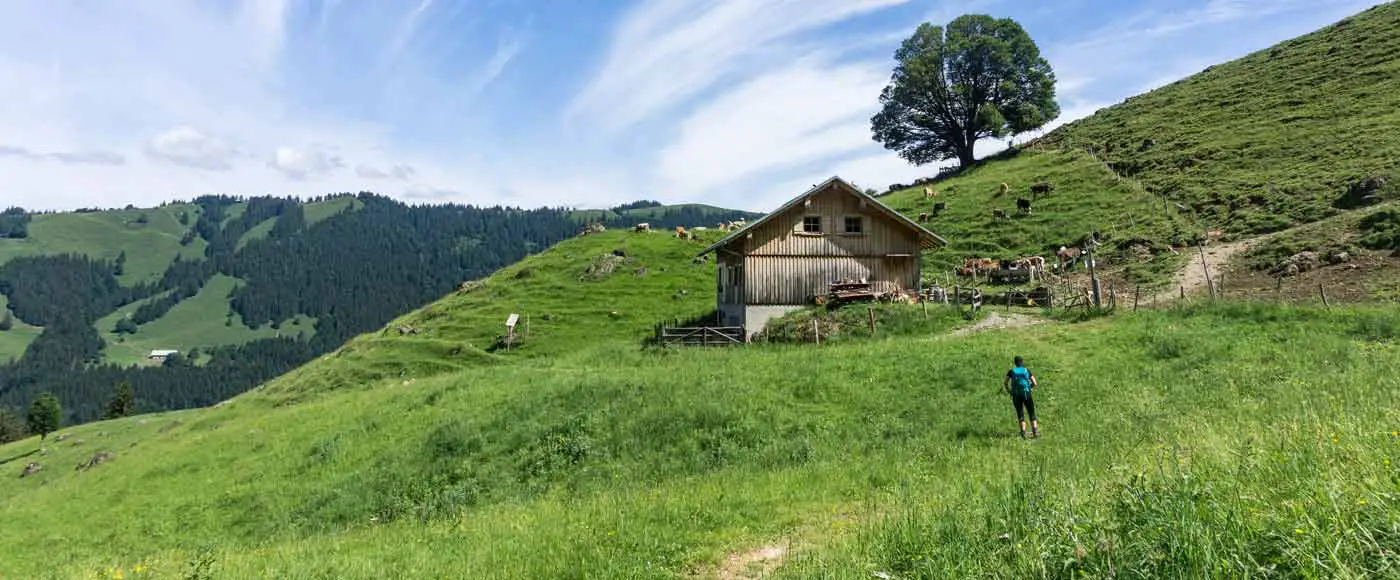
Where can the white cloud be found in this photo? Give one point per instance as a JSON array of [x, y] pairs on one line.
[[187, 146], [399, 171], [299, 164], [665, 52], [89, 157], [789, 117]]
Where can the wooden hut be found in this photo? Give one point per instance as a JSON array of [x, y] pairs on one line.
[[830, 233]]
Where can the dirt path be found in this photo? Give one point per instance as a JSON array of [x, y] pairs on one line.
[[1192, 277], [753, 564], [998, 321]]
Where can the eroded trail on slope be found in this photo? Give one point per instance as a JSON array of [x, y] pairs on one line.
[[1191, 280], [998, 321]]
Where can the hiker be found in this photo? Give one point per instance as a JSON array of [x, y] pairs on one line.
[[1019, 382]]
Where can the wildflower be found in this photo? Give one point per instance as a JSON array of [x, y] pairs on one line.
[[1298, 531], [1361, 501]]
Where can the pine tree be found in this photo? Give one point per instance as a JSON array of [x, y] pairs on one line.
[[123, 403], [12, 427]]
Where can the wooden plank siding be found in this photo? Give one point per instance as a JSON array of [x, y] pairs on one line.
[[784, 265], [796, 279]]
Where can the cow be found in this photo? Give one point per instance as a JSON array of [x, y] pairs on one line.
[[1031, 261], [1041, 188], [1067, 257], [999, 214], [1003, 189], [939, 207], [923, 217], [642, 227], [680, 232], [974, 265], [929, 193], [1023, 205]]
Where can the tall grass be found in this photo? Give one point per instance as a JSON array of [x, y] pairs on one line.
[[1212, 440]]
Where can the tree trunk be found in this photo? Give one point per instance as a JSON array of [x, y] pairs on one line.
[[965, 157]]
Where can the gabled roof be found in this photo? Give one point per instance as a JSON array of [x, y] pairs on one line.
[[927, 239]]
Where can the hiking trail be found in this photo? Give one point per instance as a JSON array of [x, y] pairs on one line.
[[998, 321]]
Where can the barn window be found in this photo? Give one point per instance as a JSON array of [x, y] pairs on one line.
[[812, 224], [853, 225]]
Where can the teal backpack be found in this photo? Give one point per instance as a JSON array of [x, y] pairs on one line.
[[1021, 381]]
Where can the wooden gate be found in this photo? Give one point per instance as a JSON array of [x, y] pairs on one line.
[[700, 335]]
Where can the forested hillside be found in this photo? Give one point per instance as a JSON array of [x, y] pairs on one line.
[[244, 288]]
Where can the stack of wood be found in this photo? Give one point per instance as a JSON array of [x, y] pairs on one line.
[[847, 290]]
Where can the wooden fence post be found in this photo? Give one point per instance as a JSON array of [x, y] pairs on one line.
[[924, 303], [870, 310], [816, 332], [1137, 292], [1210, 287], [1323, 292]]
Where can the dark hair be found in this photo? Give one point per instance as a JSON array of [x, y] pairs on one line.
[[1018, 361]]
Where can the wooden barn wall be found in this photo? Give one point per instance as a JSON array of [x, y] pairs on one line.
[[795, 279], [782, 235]]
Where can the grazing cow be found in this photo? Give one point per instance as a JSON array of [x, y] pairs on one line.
[[923, 217], [974, 265], [939, 207], [1031, 261], [999, 214], [1023, 205], [929, 193], [680, 232], [1003, 189], [1041, 188], [1067, 257], [643, 227]]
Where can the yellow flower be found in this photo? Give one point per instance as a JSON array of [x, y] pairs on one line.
[[1298, 530], [1361, 502]]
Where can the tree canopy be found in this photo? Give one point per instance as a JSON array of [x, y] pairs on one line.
[[45, 415], [978, 77]]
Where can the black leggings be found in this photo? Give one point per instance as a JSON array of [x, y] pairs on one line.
[[1023, 405]]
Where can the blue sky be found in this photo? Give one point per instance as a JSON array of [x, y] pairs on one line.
[[739, 103]]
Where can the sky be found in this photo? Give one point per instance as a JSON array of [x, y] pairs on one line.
[[561, 103]]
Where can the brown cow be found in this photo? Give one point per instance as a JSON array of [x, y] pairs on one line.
[[1067, 255]]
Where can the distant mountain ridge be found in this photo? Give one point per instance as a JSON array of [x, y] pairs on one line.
[[244, 287]]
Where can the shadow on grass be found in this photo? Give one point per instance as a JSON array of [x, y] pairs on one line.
[[20, 456], [966, 433]]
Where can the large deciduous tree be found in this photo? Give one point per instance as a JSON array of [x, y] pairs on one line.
[[978, 77], [45, 415]]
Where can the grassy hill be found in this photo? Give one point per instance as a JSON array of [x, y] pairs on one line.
[[685, 214], [150, 246], [1087, 198], [1285, 136], [18, 337], [201, 321], [1304, 132], [1219, 440]]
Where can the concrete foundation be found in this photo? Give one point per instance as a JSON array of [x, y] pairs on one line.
[[757, 317]]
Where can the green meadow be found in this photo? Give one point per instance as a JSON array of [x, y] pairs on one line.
[[149, 246], [200, 321], [1228, 439]]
